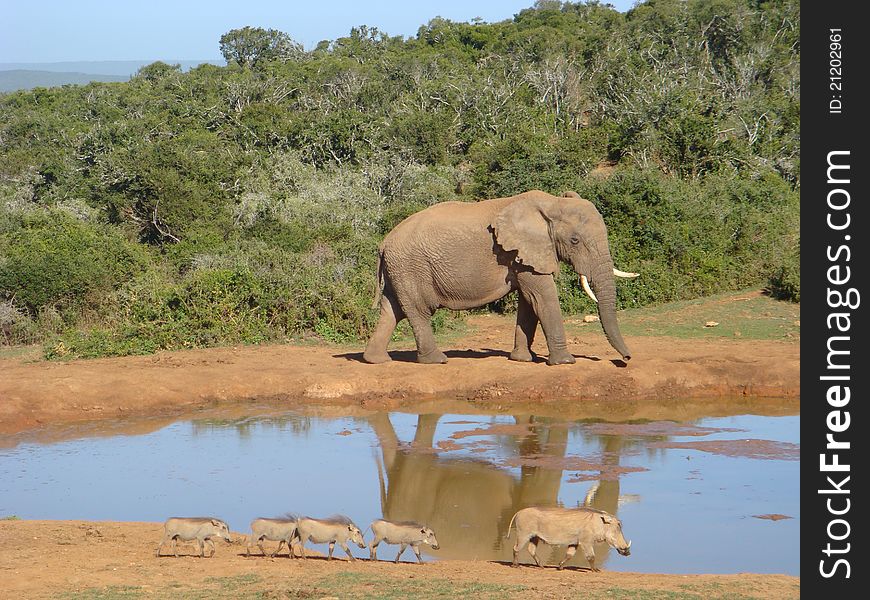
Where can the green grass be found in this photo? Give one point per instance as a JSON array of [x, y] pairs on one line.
[[234, 583], [710, 591], [26, 353], [112, 592], [376, 587], [740, 315], [341, 585], [242, 587], [635, 594], [747, 314]]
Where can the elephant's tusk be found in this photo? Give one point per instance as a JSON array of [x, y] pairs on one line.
[[619, 273], [587, 289]]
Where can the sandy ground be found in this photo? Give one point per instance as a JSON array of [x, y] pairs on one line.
[[662, 373], [44, 559]]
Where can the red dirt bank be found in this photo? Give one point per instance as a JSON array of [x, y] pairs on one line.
[[662, 370]]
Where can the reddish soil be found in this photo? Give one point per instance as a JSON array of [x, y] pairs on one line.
[[654, 384]]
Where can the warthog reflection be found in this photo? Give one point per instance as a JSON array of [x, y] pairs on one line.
[[470, 502]]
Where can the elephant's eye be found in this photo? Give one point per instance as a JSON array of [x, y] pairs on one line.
[[575, 240]]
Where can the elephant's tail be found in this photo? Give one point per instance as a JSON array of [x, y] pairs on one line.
[[379, 291]]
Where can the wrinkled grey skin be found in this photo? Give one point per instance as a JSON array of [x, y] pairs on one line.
[[201, 529], [334, 530], [276, 530], [570, 527], [461, 255], [404, 533]]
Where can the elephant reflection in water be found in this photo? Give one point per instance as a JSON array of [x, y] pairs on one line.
[[604, 495], [470, 502]]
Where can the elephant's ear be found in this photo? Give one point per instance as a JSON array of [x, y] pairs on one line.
[[523, 226]]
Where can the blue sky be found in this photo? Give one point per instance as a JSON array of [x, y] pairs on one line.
[[79, 30]]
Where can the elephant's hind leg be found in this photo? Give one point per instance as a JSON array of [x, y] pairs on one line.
[[527, 323], [427, 351], [391, 314]]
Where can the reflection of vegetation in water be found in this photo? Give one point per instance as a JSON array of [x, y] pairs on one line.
[[244, 426]]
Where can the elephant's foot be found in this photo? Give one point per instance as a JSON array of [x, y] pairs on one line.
[[376, 358], [436, 357], [522, 355], [561, 357]]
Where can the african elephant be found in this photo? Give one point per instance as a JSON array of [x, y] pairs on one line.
[[461, 255]]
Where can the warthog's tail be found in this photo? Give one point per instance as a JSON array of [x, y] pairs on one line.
[[379, 291], [508, 534]]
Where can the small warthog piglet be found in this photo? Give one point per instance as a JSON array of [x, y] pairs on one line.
[[201, 529], [404, 533], [275, 530], [334, 530]]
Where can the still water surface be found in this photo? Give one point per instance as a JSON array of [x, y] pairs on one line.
[[688, 494]]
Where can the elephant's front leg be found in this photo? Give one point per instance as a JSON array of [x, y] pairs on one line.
[[540, 292], [527, 324]]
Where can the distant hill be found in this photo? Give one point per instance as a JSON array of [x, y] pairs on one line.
[[21, 79], [22, 76]]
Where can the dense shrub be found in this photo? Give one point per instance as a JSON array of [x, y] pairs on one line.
[[16, 327], [785, 282], [53, 259], [245, 203]]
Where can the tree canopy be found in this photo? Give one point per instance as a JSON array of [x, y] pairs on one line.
[[249, 45]]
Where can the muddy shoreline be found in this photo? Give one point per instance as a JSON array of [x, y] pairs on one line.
[[652, 385]]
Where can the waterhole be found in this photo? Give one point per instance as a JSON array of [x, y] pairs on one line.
[[711, 495]]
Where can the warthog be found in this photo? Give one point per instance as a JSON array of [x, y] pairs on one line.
[[276, 530], [405, 533], [567, 526], [201, 529], [337, 529]]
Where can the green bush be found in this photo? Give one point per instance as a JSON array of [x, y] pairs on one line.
[[785, 282], [693, 238], [55, 259], [16, 327]]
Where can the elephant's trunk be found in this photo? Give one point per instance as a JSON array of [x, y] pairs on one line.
[[604, 287]]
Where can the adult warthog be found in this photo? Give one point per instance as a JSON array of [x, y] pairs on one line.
[[334, 530], [404, 533], [201, 529], [570, 527], [275, 530]]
